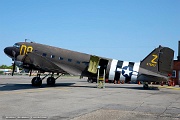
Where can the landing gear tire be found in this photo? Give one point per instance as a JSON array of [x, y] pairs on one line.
[[36, 81], [51, 81], [145, 86], [90, 81]]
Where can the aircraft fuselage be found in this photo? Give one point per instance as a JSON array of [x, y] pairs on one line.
[[46, 58]]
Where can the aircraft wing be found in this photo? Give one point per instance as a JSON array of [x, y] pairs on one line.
[[69, 69], [42, 63], [38, 62]]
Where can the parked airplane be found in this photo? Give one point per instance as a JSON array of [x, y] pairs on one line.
[[34, 56]]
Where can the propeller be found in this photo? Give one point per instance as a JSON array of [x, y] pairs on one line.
[[14, 65], [18, 61], [30, 72]]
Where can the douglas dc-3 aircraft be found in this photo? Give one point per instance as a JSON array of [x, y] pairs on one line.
[[34, 56]]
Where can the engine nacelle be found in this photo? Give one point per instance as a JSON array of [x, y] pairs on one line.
[[19, 64], [123, 71], [18, 61]]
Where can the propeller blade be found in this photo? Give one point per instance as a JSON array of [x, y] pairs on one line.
[[14, 66], [30, 72]]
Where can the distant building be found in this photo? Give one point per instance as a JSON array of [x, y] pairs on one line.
[[176, 68], [176, 72]]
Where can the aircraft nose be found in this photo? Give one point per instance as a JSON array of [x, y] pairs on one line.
[[8, 51]]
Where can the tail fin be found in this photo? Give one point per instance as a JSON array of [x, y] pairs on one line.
[[160, 60]]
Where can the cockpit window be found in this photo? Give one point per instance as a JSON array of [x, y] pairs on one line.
[[16, 45]]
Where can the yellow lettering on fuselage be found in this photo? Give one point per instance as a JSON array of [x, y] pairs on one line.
[[25, 49]]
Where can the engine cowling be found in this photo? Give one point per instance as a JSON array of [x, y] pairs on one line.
[[18, 61]]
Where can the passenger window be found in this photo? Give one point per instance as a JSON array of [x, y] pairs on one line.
[[60, 58], [44, 54], [78, 62], [69, 60], [52, 56], [86, 63]]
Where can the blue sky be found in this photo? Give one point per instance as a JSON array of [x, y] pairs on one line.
[[120, 29]]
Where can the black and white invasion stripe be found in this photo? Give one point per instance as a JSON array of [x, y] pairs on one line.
[[123, 70]]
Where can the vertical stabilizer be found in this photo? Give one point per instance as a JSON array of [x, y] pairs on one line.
[[160, 60]]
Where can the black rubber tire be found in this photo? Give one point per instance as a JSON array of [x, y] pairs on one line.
[[145, 86], [51, 81], [36, 81]]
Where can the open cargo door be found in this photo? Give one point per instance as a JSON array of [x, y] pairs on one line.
[[93, 64]]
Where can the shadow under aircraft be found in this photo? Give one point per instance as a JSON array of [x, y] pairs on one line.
[[155, 67], [11, 87]]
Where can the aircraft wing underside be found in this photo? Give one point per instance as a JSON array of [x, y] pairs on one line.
[[38, 62], [42, 63], [69, 69]]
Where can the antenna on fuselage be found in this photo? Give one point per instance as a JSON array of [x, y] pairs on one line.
[[29, 40], [26, 40]]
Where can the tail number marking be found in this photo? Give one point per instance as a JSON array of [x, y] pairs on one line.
[[153, 61], [25, 49]]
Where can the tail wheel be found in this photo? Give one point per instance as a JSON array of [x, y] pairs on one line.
[[145, 86], [36, 81], [51, 81]]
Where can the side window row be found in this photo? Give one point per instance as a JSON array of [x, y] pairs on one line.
[[60, 58]]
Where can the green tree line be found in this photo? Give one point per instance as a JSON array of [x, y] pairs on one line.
[[6, 67]]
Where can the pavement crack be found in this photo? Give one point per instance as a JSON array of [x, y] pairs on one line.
[[165, 110], [138, 106]]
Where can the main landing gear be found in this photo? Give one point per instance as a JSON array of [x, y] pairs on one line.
[[37, 81], [145, 85]]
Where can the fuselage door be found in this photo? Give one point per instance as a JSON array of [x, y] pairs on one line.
[[93, 64]]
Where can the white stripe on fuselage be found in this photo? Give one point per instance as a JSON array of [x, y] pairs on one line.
[[113, 69], [135, 71]]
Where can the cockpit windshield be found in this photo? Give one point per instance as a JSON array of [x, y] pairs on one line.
[[16, 45]]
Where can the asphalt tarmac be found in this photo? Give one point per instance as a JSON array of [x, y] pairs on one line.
[[75, 99]]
